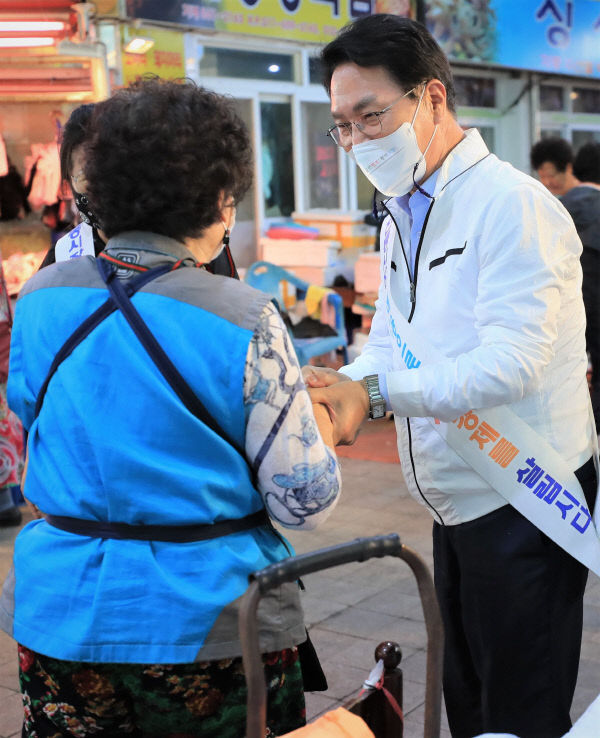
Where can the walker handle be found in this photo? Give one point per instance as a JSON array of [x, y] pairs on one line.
[[291, 569]]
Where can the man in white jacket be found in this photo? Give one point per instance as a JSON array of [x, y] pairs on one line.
[[478, 347]]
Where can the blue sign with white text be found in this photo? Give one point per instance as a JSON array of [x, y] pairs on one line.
[[558, 36]]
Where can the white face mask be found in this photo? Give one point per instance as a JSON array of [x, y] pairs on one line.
[[394, 163]]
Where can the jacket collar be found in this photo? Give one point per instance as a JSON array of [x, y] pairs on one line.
[[148, 249], [464, 155]]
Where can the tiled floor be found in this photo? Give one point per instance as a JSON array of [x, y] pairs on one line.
[[351, 609]]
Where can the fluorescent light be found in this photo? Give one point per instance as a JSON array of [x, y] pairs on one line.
[[31, 26], [14, 43], [274, 68], [139, 45]]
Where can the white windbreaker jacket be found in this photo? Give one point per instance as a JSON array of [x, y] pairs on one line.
[[496, 289]]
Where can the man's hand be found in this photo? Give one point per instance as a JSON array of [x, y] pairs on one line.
[[348, 405], [321, 376]]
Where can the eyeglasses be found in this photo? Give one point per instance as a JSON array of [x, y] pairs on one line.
[[369, 124]]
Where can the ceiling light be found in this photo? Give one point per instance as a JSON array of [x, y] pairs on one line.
[[139, 45], [274, 68], [31, 26], [14, 43]]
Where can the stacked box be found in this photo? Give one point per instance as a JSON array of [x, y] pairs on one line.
[[366, 283], [349, 228], [366, 272], [287, 252], [318, 262]]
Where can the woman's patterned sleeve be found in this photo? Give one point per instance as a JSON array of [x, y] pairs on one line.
[[298, 475]]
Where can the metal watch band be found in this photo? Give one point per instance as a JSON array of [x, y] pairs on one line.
[[376, 399]]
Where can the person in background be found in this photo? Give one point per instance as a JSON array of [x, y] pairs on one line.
[[552, 161], [478, 331], [73, 138], [160, 449], [576, 183], [11, 433]]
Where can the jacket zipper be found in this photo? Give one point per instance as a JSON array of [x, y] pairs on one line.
[[413, 301]]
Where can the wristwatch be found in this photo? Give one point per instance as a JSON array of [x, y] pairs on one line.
[[376, 399]]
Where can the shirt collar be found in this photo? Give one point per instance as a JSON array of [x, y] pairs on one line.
[[417, 200]]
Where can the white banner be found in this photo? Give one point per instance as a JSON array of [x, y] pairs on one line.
[[509, 455], [78, 242]]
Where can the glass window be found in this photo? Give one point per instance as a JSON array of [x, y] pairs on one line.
[[245, 208], [488, 134], [314, 71], [321, 162], [551, 133], [246, 65], [243, 236], [277, 158], [552, 97], [475, 92], [585, 100], [583, 137]]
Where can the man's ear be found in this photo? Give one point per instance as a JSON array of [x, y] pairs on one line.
[[437, 97]]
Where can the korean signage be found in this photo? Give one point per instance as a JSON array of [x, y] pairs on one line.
[[166, 57], [299, 20], [558, 36]]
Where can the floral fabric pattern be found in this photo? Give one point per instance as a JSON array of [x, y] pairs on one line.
[[11, 444], [208, 699]]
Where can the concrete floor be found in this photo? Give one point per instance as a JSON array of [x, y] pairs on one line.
[[351, 609]]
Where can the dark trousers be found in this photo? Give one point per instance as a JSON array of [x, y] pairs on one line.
[[512, 606]]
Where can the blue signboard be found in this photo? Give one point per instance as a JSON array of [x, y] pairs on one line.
[[558, 36]]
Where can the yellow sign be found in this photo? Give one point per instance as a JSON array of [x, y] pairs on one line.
[[166, 58], [107, 7], [300, 20]]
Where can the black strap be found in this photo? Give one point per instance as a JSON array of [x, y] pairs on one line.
[[166, 367], [166, 533], [120, 299], [88, 326]]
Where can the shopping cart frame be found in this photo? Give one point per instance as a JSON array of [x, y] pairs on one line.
[[291, 569]]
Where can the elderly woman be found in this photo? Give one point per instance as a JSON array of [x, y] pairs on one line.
[[86, 235], [168, 424]]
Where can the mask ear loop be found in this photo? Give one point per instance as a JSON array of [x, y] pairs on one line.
[[423, 154]]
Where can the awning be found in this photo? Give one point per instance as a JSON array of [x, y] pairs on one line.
[[44, 53]]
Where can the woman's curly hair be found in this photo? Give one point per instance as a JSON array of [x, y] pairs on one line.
[[159, 156]]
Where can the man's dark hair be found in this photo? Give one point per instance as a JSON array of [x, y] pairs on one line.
[[401, 46], [586, 166], [555, 150], [74, 133], [159, 156]]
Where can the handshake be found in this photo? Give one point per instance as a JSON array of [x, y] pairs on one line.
[[340, 404]]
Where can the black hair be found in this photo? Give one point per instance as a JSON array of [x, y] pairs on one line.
[[74, 133], [159, 156], [401, 46], [586, 166], [557, 151]]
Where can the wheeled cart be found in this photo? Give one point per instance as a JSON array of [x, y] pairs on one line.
[[291, 569]]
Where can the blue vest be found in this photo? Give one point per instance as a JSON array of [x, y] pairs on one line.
[[113, 442]]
